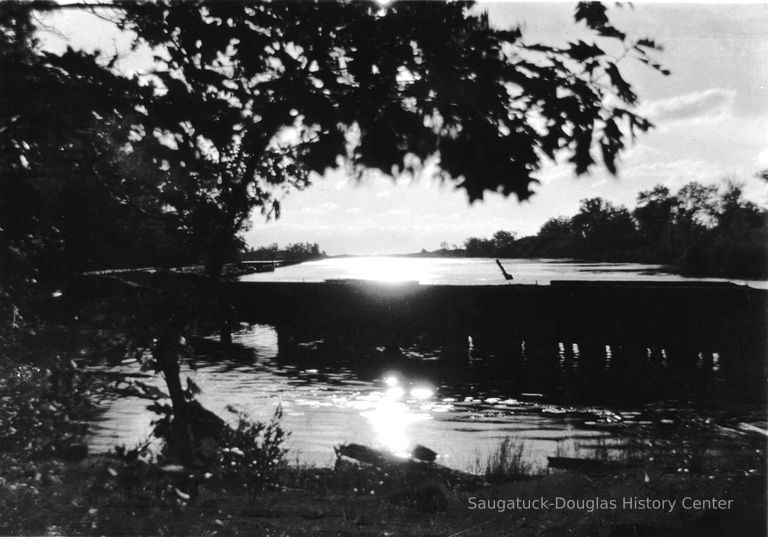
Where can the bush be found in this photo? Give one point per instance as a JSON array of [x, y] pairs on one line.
[[251, 454]]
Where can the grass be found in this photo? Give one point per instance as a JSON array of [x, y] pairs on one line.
[[507, 462]]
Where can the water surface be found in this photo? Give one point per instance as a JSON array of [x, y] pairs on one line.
[[472, 271], [555, 400]]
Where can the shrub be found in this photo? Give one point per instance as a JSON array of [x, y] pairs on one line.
[[251, 454]]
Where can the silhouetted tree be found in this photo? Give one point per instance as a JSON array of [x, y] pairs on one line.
[[699, 229], [728, 236], [64, 120], [503, 241], [258, 95], [475, 246], [559, 227], [247, 99], [603, 226], [654, 214]]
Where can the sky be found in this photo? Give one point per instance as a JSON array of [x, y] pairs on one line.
[[711, 117]]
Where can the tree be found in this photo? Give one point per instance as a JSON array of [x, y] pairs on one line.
[[556, 228], [247, 100], [474, 246], [503, 241], [737, 217], [695, 214], [603, 226], [256, 96], [57, 114], [735, 243], [74, 195], [697, 206], [654, 215]]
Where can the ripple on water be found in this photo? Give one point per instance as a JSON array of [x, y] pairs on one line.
[[327, 405]]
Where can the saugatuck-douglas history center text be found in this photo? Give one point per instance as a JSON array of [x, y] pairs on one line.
[[625, 503]]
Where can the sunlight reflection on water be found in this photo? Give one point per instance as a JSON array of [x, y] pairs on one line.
[[326, 403]]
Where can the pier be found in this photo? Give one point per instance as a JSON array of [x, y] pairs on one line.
[[651, 313]]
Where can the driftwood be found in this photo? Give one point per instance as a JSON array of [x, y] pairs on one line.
[[411, 469]]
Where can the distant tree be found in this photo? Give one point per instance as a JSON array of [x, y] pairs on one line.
[[292, 252], [737, 217], [301, 251], [478, 247], [603, 226], [700, 229], [654, 215], [695, 214], [556, 228], [697, 205], [738, 241], [503, 241]]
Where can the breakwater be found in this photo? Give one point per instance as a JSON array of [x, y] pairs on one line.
[[651, 313]]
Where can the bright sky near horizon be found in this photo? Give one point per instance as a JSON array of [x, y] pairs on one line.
[[711, 117]]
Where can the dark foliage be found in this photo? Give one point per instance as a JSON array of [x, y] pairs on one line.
[[256, 96], [67, 201], [299, 251], [251, 455], [700, 229], [246, 100]]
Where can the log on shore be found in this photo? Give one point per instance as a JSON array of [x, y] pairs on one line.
[[407, 468]]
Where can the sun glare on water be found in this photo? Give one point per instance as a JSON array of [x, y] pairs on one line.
[[390, 416], [388, 269]]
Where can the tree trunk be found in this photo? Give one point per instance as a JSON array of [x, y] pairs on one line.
[[213, 272], [180, 435], [225, 331]]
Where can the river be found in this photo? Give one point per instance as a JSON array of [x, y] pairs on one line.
[[473, 271], [554, 399]]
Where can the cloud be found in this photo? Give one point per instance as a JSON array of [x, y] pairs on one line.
[[674, 174], [762, 158], [323, 208], [700, 105]]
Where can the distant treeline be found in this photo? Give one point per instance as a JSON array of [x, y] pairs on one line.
[[300, 251], [700, 229]]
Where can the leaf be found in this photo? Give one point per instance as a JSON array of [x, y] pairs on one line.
[[648, 43], [592, 13], [623, 89], [611, 143], [581, 51], [582, 155]]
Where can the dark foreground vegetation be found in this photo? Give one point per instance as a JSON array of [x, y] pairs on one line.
[[242, 481], [700, 229]]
